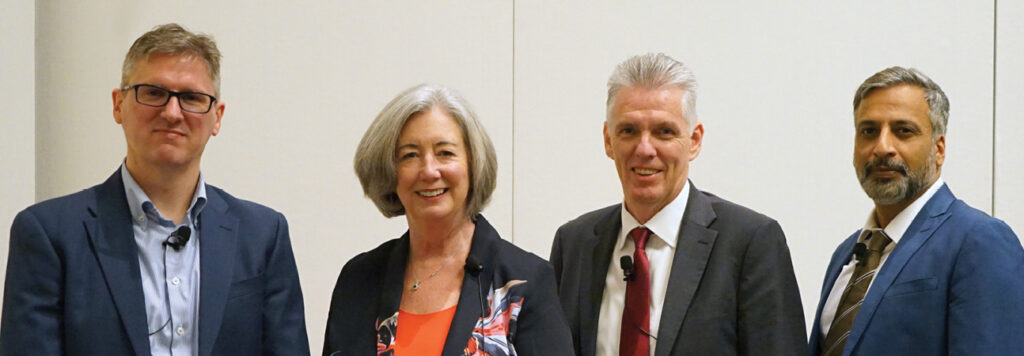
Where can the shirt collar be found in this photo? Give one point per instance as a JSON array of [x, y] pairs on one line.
[[139, 203], [899, 224], [665, 224]]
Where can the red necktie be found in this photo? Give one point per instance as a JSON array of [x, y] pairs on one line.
[[636, 317]]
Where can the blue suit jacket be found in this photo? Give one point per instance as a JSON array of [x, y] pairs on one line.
[[954, 285], [73, 283]]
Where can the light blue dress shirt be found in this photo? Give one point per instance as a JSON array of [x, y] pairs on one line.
[[170, 279]]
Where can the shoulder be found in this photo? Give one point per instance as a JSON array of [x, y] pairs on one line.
[[368, 265], [57, 210], [590, 219], [240, 206], [511, 258], [979, 230], [732, 213]]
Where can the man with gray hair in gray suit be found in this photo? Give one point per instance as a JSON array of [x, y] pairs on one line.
[[672, 270]]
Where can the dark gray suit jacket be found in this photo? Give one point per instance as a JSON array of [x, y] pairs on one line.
[[731, 291]]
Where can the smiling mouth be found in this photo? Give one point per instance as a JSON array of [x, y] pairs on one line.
[[644, 171], [431, 193]]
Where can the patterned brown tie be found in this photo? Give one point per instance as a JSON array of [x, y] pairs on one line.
[[869, 255]]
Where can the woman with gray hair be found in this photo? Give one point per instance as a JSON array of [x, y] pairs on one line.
[[450, 285]]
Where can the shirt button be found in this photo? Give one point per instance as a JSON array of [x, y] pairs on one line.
[[142, 218], [175, 281], [181, 330]]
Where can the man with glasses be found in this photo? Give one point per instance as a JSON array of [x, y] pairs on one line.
[[154, 260]]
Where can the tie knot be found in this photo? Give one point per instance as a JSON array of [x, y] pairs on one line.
[[639, 236], [877, 240]]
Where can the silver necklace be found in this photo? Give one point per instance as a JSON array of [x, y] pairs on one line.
[[416, 286]]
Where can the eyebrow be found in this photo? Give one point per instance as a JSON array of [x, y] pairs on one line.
[[436, 144]]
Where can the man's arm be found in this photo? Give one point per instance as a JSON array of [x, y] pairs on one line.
[[986, 301], [33, 292], [771, 318], [284, 324]]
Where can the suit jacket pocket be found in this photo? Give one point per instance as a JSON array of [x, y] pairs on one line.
[[246, 287], [914, 286]]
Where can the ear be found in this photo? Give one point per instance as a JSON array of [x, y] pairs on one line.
[[607, 140], [219, 111], [117, 98], [940, 151], [696, 139]]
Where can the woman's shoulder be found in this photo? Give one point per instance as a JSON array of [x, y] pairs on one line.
[[370, 262], [510, 258]]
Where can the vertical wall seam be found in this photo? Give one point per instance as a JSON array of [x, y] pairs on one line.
[[995, 108], [513, 227]]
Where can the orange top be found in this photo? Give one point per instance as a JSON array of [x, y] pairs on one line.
[[422, 334]]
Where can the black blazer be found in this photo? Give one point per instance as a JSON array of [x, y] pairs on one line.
[[731, 291], [366, 298]]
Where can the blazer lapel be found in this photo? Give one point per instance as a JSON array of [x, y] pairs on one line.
[[931, 216], [840, 258], [217, 238], [392, 286], [110, 231], [693, 249], [595, 258], [474, 288]]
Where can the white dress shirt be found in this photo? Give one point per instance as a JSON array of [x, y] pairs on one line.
[[660, 250], [895, 230]]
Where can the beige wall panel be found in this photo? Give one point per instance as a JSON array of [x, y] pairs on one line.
[[1009, 120], [776, 86], [301, 84], [17, 113]]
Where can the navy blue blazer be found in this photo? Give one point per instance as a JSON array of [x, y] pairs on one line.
[[954, 285], [74, 287], [510, 302]]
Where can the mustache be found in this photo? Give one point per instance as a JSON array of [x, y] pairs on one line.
[[886, 162]]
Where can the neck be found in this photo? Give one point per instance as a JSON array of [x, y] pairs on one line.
[[434, 238], [170, 189]]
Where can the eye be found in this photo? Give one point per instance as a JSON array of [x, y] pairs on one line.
[[627, 130], [407, 155], [666, 131], [446, 153], [867, 131]]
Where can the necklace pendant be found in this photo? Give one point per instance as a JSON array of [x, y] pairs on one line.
[[416, 286]]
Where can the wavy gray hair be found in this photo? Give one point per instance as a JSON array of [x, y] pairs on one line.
[[938, 104], [652, 71], [376, 162]]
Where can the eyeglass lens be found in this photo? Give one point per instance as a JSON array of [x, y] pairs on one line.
[[156, 96]]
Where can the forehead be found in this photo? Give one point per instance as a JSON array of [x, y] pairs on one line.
[[177, 71], [431, 125], [903, 102], [640, 103]]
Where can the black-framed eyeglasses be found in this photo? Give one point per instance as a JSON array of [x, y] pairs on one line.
[[190, 101]]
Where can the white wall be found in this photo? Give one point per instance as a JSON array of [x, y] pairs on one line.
[[302, 83], [1009, 121], [17, 112], [776, 92]]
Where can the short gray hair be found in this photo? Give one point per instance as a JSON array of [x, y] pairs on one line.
[[653, 71], [173, 39], [376, 162], [938, 104]]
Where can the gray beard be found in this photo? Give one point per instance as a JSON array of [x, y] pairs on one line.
[[900, 189]]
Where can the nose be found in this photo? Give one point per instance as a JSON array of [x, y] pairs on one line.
[[884, 145], [172, 110], [430, 169], [645, 148]]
